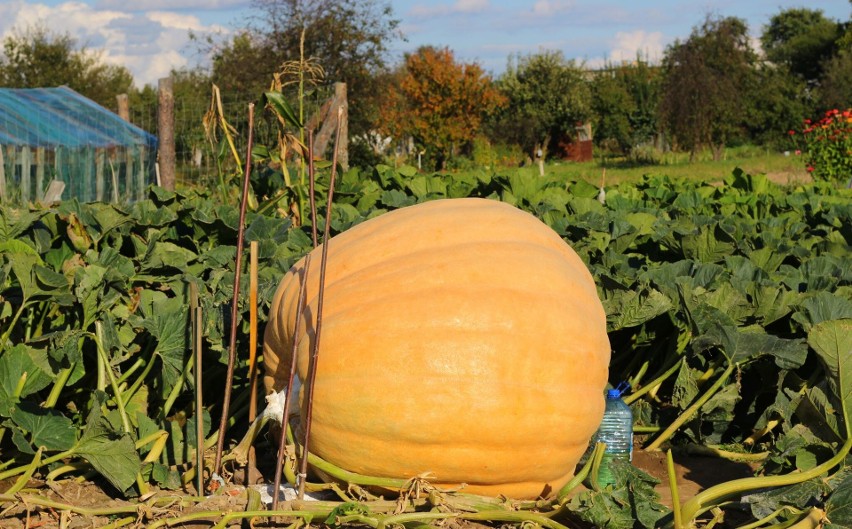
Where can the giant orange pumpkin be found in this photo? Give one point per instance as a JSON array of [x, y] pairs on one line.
[[461, 338]]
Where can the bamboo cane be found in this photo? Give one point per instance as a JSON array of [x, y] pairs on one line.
[[282, 441], [232, 349], [252, 413], [312, 365]]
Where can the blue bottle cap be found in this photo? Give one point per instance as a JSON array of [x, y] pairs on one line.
[[613, 393]]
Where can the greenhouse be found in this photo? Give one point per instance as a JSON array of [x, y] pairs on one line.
[[56, 136]]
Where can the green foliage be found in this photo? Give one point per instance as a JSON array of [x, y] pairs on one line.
[[76, 268], [624, 101], [348, 38], [801, 39], [698, 281], [778, 101], [489, 156], [38, 58], [547, 96], [835, 89]]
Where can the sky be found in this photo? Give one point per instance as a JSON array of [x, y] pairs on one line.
[[152, 37]]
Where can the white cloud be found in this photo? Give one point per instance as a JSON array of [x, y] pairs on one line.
[[471, 6], [626, 46], [149, 44], [551, 7], [153, 5], [639, 42], [459, 6]]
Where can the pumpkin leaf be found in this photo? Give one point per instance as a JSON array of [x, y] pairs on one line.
[[48, 429], [838, 507], [832, 340], [20, 376], [112, 453]]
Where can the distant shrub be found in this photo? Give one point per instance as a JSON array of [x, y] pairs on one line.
[[488, 155], [827, 146], [644, 154]]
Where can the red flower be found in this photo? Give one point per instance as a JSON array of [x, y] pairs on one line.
[[810, 169], [791, 132]]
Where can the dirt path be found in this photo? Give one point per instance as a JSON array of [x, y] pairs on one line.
[[694, 473]]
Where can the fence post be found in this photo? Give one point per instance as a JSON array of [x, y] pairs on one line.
[[166, 129], [123, 107], [342, 102], [328, 115]]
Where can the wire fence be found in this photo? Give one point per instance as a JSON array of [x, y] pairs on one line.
[[202, 159]]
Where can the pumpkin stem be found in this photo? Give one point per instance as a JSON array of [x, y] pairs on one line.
[[579, 477]]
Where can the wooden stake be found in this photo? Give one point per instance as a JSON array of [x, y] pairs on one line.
[[232, 348], [282, 441], [197, 331], [311, 178], [123, 106], [251, 469], [312, 364], [166, 129]]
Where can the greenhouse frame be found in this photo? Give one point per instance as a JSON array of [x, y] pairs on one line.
[[56, 134]]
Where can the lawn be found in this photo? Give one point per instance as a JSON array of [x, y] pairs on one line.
[[781, 168]]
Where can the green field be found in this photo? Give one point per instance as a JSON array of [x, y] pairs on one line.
[[779, 168]]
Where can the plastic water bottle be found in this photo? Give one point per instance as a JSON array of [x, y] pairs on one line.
[[616, 430]]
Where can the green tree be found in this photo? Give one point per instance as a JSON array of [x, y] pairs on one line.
[[348, 38], [801, 39], [438, 102], [38, 58], [708, 81], [778, 102], [624, 105], [547, 97], [836, 83], [836, 86]]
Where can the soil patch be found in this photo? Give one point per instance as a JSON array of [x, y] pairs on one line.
[[790, 177], [694, 473]]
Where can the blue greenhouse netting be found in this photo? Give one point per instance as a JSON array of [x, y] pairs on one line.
[[51, 134]]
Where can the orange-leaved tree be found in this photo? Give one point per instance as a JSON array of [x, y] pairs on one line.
[[438, 102]]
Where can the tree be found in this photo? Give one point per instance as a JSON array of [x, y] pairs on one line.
[[836, 83], [624, 105], [37, 58], [547, 96], [348, 38], [707, 84], [438, 102], [778, 104], [802, 39], [836, 86]]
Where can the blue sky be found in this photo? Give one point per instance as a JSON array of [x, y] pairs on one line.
[[151, 37]]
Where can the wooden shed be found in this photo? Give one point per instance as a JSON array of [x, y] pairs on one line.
[[578, 148], [56, 134]]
